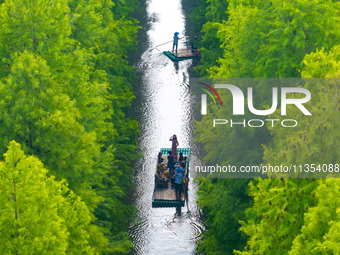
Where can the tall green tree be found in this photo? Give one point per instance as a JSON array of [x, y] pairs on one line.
[[207, 16], [320, 233], [225, 201], [261, 39], [38, 26], [107, 32], [270, 39], [276, 216], [285, 210], [66, 95], [47, 33], [40, 215], [36, 112]]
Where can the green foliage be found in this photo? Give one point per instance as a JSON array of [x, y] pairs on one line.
[[107, 40], [321, 64], [38, 26], [35, 112], [286, 210], [261, 39], [209, 49], [65, 95], [320, 233], [279, 205], [204, 17], [40, 214], [224, 202], [270, 39], [124, 8], [196, 12], [217, 10]]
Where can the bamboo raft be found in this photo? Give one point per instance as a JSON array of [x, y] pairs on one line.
[[182, 54], [166, 196]]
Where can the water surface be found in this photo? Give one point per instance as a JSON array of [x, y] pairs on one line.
[[163, 107]]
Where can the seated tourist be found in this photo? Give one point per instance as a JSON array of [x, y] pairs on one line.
[[160, 159], [180, 159]]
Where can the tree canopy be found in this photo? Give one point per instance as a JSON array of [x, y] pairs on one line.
[[270, 39], [40, 214], [65, 96]]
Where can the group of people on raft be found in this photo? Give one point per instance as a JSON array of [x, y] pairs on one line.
[[174, 170]]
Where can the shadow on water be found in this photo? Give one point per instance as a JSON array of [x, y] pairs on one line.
[[164, 106]]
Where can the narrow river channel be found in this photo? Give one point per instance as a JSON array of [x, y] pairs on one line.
[[163, 107]]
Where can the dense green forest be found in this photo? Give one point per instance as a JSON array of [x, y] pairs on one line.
[[270, 39], [66, 142]]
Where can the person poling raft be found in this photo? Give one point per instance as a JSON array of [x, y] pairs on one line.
[[175, 43], [182, 54], [171, 176]]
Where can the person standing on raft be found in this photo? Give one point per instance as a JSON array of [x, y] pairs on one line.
[[178, 183], [175, 43], [174, 146]]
